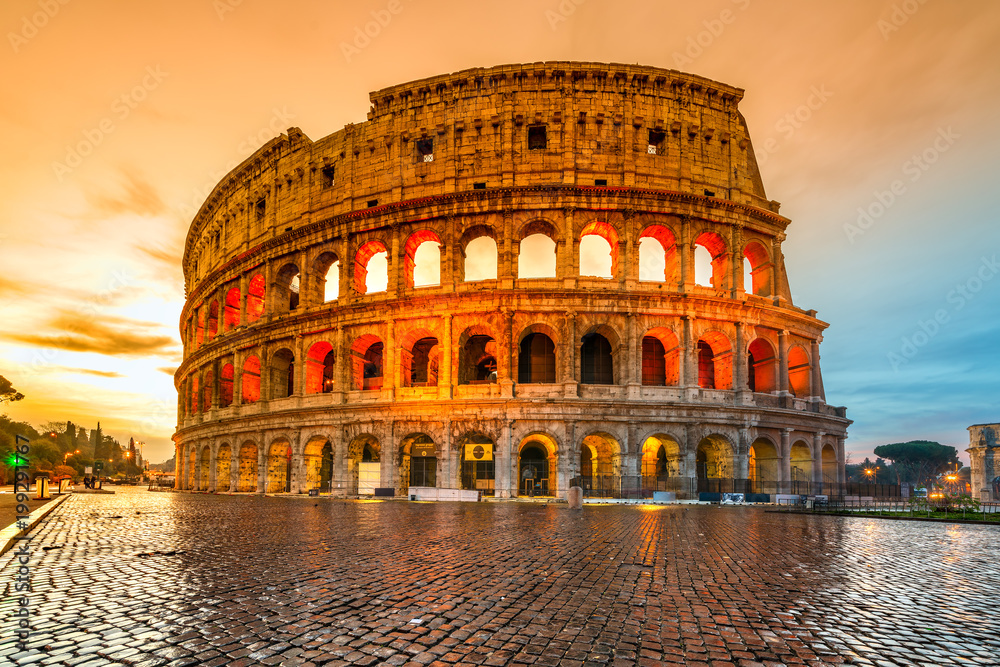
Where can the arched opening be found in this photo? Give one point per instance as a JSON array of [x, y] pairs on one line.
[[327, 269], [600, 465], [599, 250], [251, 380], [206, 391], [371, 268], [417, 462], [422, 259], [282, 373], [223, 468], [204, 468], [799, 372], [419, 360], [536, 257], [829, 458], [658, 254], [195, 395], [762, 467], [481, 259], [213, 319], [363, 455], [255, 298], [246, 474], [286, 285], [713, 463], [710, 263], [231, 318], [596, 362], [661, 357], [536, 361], [801, 467], [199, 334], [477, 361], [226, 386], [366, 363], [661, 464], [762, 367], [318, 462], [756, 269], [536, 465], [478, 470], [715, 361], [319, 368], [279, 467]]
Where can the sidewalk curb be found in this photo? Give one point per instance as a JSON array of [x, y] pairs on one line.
[[9, 535]]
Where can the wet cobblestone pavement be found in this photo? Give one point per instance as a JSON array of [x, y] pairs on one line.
[[143, 578]]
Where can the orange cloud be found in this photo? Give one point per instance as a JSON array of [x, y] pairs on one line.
[[110, 335]]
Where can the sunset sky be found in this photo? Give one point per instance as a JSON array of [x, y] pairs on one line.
[[117, 119]]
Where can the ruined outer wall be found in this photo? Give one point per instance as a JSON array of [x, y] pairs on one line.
[[301, 203], [984, 458]]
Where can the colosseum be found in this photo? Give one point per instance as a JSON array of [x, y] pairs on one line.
[[507, 280]]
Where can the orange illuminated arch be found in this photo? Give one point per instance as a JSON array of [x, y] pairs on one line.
[[361, 259], [255, 298], [414, 243], [251, 380], [760, 268], [607, 232]]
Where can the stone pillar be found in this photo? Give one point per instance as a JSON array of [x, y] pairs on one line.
[[447, 362], [736, 274], [234, 465], [452, 467], [785, 465], [179, 456], [817, 459], [506, 261], [841, 461], [502, 465], [212, 466], [570, 379], [689, 458], [816, 379], [631, 361], [388, 458], [244, 291], [686, 250], [783, 363], [299, 369], [506, 372], [689, 363], [739, 362], [570, 461], [262, 461], [395, 259], [391, 373], [742, 460]]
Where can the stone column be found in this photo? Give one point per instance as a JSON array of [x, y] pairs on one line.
[[451, 471], [395, 259], [244, 291], [689, 458], [689, 365], [816, 379], [570, 464], [742, 460], [506, 269], [502, 463], [297, 482], [817, 459], [684, 247], [506, 373], [569, 374], [179, 456], [841, 461], [387, 471], [785, 465], [783, 363], [447, 360], [234, 465], [739, 362], [391, 373], [262, 460], [299, 369], [212, 466]]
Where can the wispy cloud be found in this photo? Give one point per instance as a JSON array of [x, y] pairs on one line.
[[89, 371], [137, 196], [169, 370], [109, 335]]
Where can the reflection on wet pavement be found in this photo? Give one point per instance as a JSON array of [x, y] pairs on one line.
[[143, 578]]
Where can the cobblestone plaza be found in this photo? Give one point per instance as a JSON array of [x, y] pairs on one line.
[[138, 578]]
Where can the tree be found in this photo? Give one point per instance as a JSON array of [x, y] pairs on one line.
[[7, 392], [918, 460]]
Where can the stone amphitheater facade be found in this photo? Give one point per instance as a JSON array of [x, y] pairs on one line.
[[359, 314]]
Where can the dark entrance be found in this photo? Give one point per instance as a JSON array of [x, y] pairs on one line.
[[423, 463], [534, 470], [478, 472], [326, 468]]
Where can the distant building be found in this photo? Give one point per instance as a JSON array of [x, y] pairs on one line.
[[984, 454]]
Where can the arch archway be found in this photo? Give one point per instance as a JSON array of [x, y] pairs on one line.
[[320, 361], [231, 317], [250, 381], [763, 466], [364, 458], [204, 468], [536, 257], [599, 250], [710, 260], [366, 363], [661, 464], [661, 358], [478, 469], [536, 359], [537, 465], [799, 372], [601, 465], [246, 474], [762, 367], [223, 467], [757, 267], [596, 360], [658, 255], [477, 362], [279, 467], [800, 467], [282, 373], [830, 466], [255, 298], [192, 467], [715, 361], [422, 259], [417, 462], [714, 463], [286, 288], [371, 272], [318, 464]]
